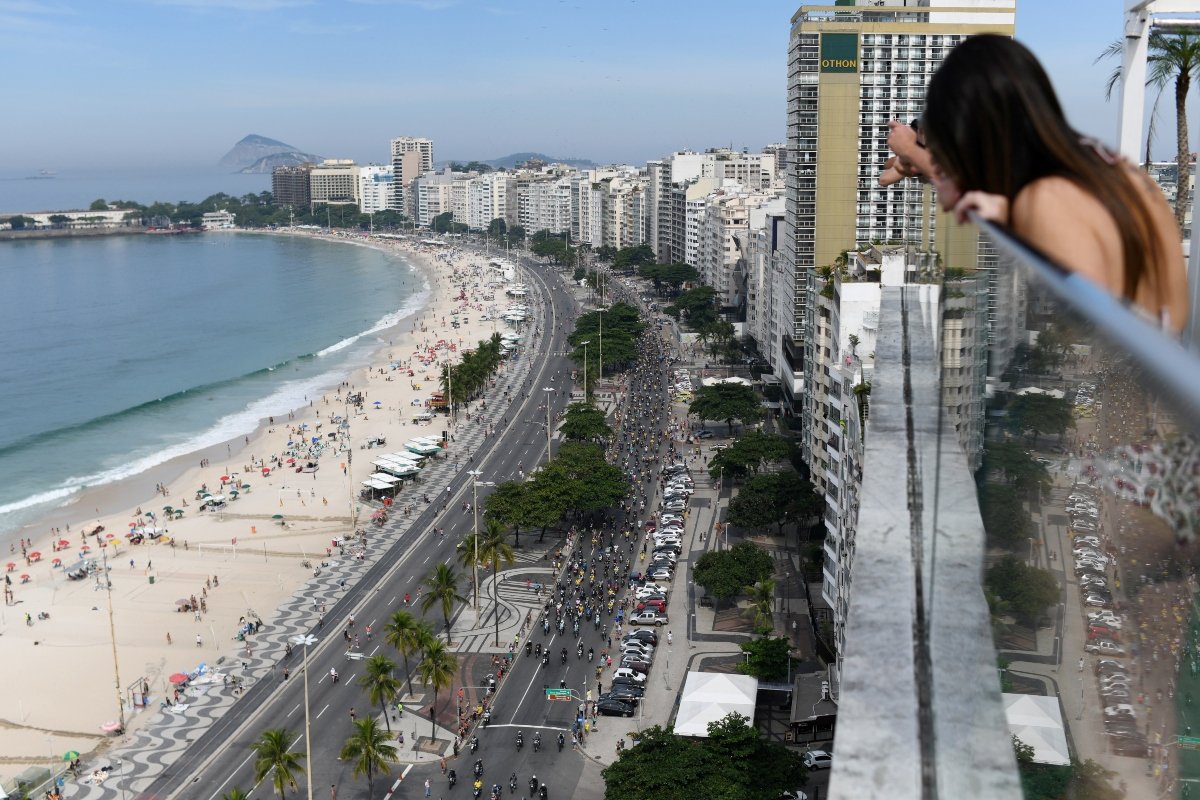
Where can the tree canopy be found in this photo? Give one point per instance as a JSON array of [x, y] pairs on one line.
[[749, 453], [1005, 519], [622, 326], [585, 423], [766, 658], [726, 573], [1038, 414], [1017, 466], [1029, 591], [735, 762], [727, 402]]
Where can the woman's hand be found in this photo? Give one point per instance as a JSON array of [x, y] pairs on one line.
[[992, 207]]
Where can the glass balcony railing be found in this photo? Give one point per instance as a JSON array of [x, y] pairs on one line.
[[1036, 620]]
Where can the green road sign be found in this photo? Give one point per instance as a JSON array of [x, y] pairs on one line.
[[559, 694]]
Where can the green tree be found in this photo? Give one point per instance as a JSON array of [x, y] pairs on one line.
[[507, 505], [1027, 475], [754, 506], [380, 684], [497, 227], [585, 423], [1038, 414], [235, 794], [438, 668], [1028, 590], [727, 402], [441, 589], [408, 635], [59, 220], [762, 605], [1172, 57], [370, 750], [766, 658], [272, 755], [98, 205], [725, 573], [20, 222], [492, 551], [1005, 519], [1023, 752]]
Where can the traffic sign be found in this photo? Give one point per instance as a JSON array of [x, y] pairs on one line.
[[562, 695]]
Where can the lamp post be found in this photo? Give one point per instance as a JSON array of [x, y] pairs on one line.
[[548, 392], [600, 361], [585, 389], [475, 484], [304, 641]]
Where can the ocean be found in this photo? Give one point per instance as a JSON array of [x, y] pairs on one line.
[[120, 353], [75, 189]]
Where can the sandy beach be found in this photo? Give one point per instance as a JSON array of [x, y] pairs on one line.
[[240, 560]]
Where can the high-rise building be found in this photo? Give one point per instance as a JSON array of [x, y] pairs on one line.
[[432, 195], [412, 157], [290, 186], [374, 188], [852, 68], [335, 181]]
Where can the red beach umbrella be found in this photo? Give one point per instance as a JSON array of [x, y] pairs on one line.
[[63, 543], [11, 566], [85, 549], [36, 555], [178, 678], [24, 577], [57, 562], [109, 536]]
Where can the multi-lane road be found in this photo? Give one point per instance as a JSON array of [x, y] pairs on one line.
[[220, 758]]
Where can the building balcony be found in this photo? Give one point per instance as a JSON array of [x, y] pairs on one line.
[[921, 708]]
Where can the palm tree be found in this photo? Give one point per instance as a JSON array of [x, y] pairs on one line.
[[235, 794], [407, 634], [762, 601], [468, 556], [370, 749], [442, 589], [381, 685], [492, 550], [1171, 57], [271, 755], [437, 669]]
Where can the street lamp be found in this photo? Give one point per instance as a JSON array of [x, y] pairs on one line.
[[475, 484], [548, 392], [585, 346], [304, 641]]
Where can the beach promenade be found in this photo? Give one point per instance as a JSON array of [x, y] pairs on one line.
[[239, 564]]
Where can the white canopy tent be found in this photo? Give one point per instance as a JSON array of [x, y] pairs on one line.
[[1037, 721], [712, 696]]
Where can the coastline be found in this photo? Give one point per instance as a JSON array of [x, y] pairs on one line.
[[316, 508]]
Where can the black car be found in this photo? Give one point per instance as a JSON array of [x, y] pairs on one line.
[[623, 681], [636, 663], [614, 708], [623, 691], [642, 635], [623, 698]]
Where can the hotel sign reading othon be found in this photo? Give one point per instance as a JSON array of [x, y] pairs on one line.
[[839, 52]]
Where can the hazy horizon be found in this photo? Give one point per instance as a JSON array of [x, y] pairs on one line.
[[154, 84]]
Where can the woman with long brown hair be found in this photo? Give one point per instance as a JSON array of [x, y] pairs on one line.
[[998, 144]]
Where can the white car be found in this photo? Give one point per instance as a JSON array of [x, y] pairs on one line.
[[817, 759], [630, 674], [1105, 618]]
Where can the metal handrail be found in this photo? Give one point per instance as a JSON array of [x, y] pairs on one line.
[[1163, 360]]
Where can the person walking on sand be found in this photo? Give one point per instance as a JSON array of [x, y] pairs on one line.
[[199, 641]]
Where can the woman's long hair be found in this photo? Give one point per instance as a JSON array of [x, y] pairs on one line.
[[993, 123]]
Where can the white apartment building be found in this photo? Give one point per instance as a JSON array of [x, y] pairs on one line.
[[412, 157], [695, 205], [763, 262], [432, 192], [487, 199], [545, 205], [334, 180], [623, 210], [375, 184]]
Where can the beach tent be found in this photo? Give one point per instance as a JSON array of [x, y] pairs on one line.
[[1037, 721], [711, 696]]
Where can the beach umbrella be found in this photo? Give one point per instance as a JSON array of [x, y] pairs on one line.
[[266, 470], [178, 678], [36, 554], [85, 549], [378, 402], [224, 477], [70, 755], [183, 601], [245, 486], [111, 726], [168, 509], [11, 566], [277, 516], [57, 562], [109, 536], [63, 543], [133, 524], [24, 577]]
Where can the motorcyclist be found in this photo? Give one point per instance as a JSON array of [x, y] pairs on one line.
[[564, 655], [591, 654], [579, 650], [542, 792], [477, 787], [533, 784], [453, 776], [478, 768], [545, 659], [537, 741], [561, 741], [520, 739], [512, 783], [474, 743], [333, 675]]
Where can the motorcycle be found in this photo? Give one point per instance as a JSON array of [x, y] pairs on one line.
[[545, 660], [520, 742], [512, 783], [579, 651], [533, 784], [542, 792], [591, 654], [539, 649], [537, 743], [528, 648], [561, 740], [478, 768], [564, 655], [333, 675], [474, 745], [477, 788], [487, 718], [453, 778]]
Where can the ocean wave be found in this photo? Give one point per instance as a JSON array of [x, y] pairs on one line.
[[410, 307]]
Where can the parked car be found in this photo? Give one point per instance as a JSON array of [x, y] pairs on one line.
[[643, 635], [675, 505], [1097, 601], [648, 618], [1103, 632], [1120, 710], [660, 574], [1105, 647], [817, 759], [1105, 618], [648, 590], [1107, 666], [637, 664], [614, 708], [623, 691], [626, 673], [703, 434]]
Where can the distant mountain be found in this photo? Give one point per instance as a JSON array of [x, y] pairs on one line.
[[510, 161], [257, 154]]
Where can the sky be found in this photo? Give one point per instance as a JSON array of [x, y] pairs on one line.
[[176, 83]]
